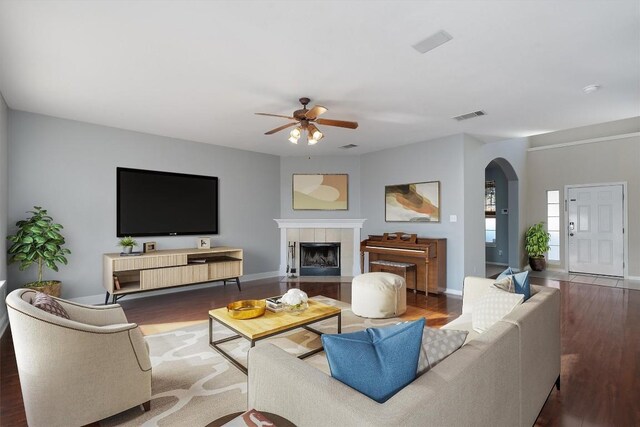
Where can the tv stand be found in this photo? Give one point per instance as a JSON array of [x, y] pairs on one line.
[[169, 268]]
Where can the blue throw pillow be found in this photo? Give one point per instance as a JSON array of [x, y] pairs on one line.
[[378, 362], [520, 281]]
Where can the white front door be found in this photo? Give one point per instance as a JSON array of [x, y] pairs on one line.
[[595, 230]]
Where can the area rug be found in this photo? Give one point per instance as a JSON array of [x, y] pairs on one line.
[[193, 385]]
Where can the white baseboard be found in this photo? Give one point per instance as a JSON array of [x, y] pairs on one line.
[[633, 278], [501, 264], [99, 299], [453, 292]]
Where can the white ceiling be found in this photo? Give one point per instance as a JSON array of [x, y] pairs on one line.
[[199, 70]]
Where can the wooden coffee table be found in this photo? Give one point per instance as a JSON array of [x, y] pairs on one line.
[[268, 325]]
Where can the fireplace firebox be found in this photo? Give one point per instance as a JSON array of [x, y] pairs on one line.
[[319, 259]]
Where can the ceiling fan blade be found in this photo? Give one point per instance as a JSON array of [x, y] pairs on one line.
[[315, 112], [338, 123], [278, 129], [274, 115]]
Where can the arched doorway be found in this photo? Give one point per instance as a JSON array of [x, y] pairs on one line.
[[501, 216]]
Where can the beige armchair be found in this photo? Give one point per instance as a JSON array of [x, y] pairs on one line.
[[79, 370]]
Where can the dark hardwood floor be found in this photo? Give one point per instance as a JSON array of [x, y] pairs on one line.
[[600, 344]]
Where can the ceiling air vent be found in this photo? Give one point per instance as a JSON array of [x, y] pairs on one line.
[[348, 146], [470, 115]]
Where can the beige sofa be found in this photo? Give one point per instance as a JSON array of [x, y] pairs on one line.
[[501, 377], [80, 370]]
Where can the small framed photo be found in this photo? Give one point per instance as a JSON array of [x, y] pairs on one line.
[[148, 247], [204, 243]]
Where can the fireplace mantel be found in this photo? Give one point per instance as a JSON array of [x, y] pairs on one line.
[[353, 224]]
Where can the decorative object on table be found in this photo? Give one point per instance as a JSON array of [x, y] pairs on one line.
[[304, 121], [324, 192], [127, 244], [291, 260], [148, 247], [519, 281], [275, 304], [38, 240], [536, 245], [418, 202], [378, 362], [295, 301], [246, 309], [204, 243]]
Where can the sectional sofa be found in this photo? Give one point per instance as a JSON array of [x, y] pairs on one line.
[[500, 377]]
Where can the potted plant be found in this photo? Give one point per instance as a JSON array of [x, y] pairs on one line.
[[38, 241], [127, 244], [536, 244]]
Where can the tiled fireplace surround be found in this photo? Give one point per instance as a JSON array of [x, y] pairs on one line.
[[344, 231]]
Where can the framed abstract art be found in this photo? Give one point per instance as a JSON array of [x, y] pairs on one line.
[[324, 192], [417, 202]]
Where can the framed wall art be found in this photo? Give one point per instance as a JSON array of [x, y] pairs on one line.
[[323, 192], [418, 202]]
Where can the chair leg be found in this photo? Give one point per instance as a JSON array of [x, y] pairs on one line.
[[558, 383], [146, 406]]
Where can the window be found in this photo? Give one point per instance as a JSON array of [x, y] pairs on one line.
[[490, 230], [490, 197], [553, 224], [490, 213]]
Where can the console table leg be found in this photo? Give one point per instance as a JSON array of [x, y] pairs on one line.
[[238, 283]]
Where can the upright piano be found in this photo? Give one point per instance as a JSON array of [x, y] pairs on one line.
[[429, 255]]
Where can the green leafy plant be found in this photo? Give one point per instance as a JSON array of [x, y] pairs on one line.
[[127, 241], [537, 240], [38, 241]]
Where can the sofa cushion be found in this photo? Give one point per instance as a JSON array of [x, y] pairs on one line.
[[47, 303], [437, 345], [520, 281], [493, 306], [506, 284], [378, 362]]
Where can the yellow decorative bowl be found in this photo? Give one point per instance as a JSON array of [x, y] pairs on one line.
[[247, 309]]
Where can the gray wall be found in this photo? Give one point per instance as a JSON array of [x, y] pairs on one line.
[[312, 165], [595, 163], [70, 168], [436, 160], [473, 196], [4, 175], [500, 252]]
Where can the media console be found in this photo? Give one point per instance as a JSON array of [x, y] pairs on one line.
[[123, 275]]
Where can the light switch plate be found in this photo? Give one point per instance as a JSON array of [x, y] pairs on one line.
[[453, 218]]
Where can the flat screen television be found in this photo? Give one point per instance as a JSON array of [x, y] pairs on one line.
[[151, 203]]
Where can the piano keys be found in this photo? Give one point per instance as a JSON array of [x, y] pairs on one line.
[[429, 255]]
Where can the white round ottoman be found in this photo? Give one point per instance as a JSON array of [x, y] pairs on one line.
[[378, 295]]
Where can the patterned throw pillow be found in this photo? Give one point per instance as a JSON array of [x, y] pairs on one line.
[[437, 345], [506, 284], [493, 306], [47, 303], [378, 362], [520, 281]]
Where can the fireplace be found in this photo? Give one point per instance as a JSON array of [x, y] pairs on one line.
[[319, 259]]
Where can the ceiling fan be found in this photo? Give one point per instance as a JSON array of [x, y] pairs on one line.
[[305, 121]]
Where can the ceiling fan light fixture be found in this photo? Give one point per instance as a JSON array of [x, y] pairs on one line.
[[312, 141], [314, 133], [295, 133], [293, 140]]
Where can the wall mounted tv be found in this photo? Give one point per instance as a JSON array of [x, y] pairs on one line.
[[151, 203]]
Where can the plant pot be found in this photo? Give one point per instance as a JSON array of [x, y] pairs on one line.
[[49, 287], [537, 263], [127, 249]]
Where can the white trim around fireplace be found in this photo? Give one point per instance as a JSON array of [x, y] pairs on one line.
[[354, 224]]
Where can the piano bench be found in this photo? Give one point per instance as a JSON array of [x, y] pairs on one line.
[[405, 270]]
